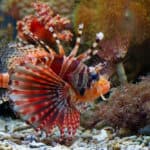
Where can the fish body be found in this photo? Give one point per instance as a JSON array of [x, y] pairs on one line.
[[45, 87]]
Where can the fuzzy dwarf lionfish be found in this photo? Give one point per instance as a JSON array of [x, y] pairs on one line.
[[46, 88]]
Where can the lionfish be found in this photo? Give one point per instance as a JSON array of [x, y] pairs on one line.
[[46, 89]]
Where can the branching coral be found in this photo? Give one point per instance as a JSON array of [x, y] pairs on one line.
[[128, 106]]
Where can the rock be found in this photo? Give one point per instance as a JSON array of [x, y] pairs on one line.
[[59, 147], [100, 125], [86, 134], [34, 144], [145, 130], [5, 146], [86, 139], [2, 125], [116, 146], [124, 132], [101, 136]]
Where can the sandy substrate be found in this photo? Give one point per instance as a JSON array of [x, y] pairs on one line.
[[17, 135]]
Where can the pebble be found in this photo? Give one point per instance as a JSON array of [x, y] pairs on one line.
[[102, 136], [34, 144], [2, 124], [89, 139], [5, 146], [86, 134], [59, 147]]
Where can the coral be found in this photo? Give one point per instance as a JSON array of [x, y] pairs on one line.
[[128, 106], [114, 18]]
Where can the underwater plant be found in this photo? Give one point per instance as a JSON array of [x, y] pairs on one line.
[[133, 106]]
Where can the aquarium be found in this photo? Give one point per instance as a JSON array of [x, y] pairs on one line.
[[75, 75]]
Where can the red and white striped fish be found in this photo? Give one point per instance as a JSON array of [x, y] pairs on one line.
[[46, 87]]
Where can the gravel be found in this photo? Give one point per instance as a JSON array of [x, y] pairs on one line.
[[16, 135]]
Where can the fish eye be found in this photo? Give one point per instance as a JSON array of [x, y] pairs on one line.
[[94, 75]]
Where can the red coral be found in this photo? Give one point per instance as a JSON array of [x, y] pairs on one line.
[[37, 26]]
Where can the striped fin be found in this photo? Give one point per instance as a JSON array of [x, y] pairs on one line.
[[60, 47], [92, 50], [43, 99], [78, 41]]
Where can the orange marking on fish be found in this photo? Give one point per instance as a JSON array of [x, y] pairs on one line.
[[101, 87], [4, 79]]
